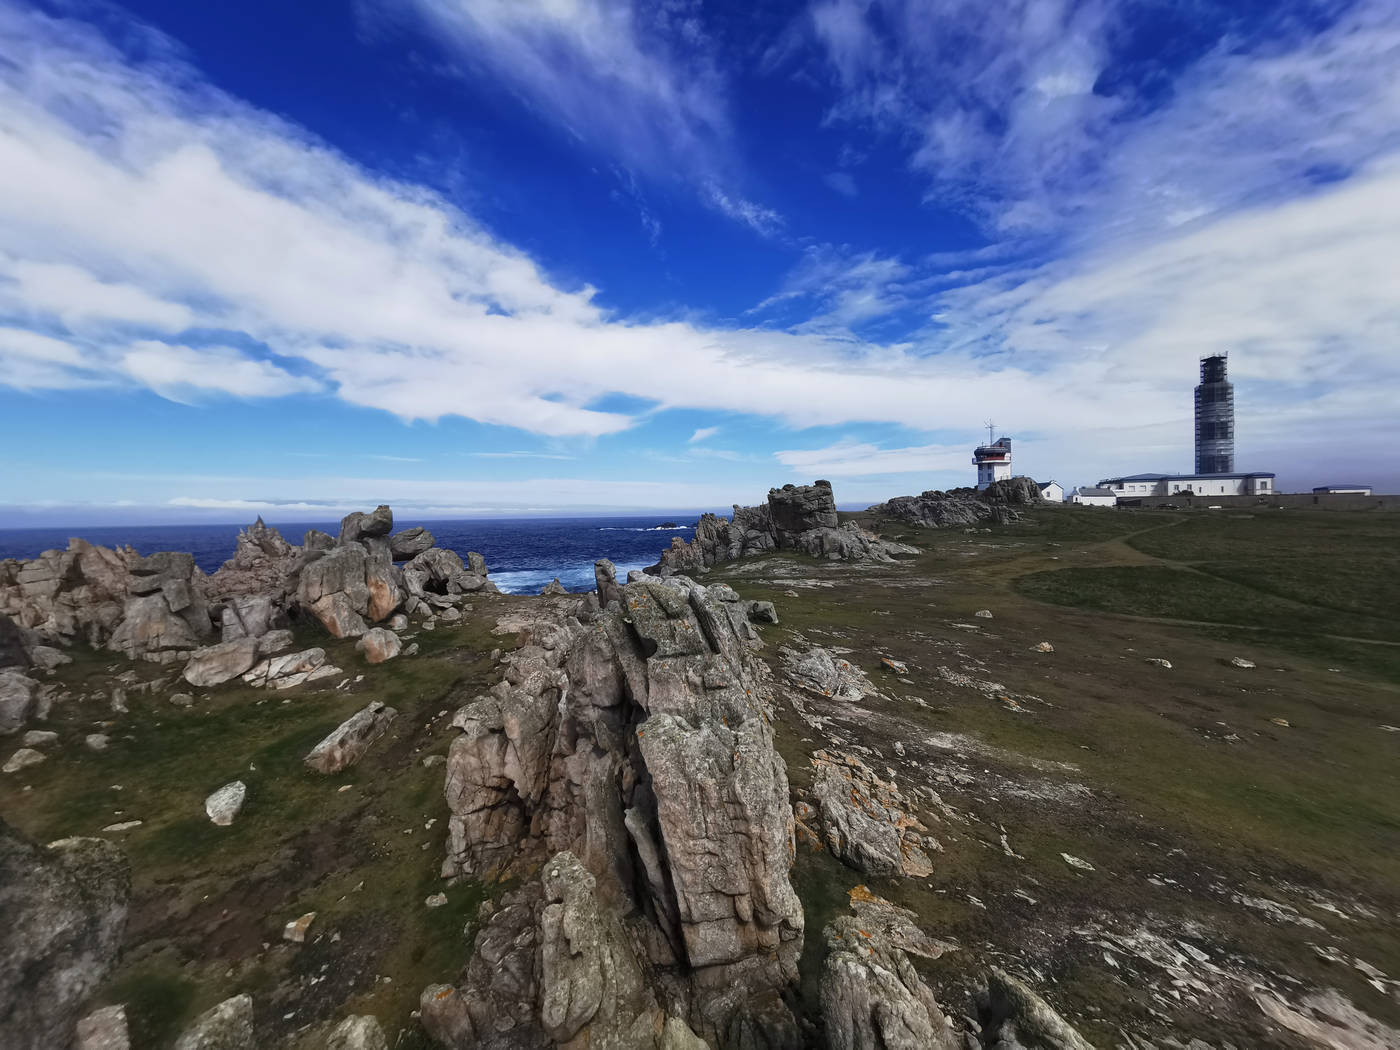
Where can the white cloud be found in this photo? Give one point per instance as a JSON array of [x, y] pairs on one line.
[[854, 459], [177, 372], [703, 434]]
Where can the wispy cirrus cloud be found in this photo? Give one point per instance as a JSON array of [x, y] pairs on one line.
[[639, 82]]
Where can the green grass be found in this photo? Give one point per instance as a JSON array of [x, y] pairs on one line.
[[1181, 594]]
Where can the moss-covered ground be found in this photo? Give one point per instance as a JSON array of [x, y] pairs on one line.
[[1190, 790], [361, 848]]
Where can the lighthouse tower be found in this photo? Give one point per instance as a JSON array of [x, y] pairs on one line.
[[992, 460]]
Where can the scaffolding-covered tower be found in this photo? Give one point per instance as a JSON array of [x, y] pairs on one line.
[[1215, 419]]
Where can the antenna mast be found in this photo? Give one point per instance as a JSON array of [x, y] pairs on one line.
[[991, 428]]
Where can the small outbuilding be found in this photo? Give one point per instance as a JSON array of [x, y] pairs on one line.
[[1051, 491], [1342, 490], [1092, 496]]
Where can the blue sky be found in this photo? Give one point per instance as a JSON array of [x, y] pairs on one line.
[[503, 256]]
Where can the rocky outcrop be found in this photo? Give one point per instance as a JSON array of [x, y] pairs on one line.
[[359, 526], [866, 821], [78, 593], [640, 743], [263, 563], [65, 912], [823, 673], [438, 579], [963, 507], [361, 1032], [796, 517], [14, 652], [348, 742]]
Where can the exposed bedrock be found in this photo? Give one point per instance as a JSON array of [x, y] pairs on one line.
[[640, 744], [64, 908], [935, 509], [796, 517]]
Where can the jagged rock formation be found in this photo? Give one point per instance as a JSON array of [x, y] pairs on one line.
[[438, 579], [228, 1026], [822, 673], [263, 563], [873, 998], [640, 743], [935, 509], [796, 517], [18, 698], [866, 821], [77, 593], [64, 909], [554, 966], [1014, 1016]]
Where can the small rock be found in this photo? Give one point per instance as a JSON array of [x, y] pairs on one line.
[[1077, 862], [1240, 661], [125, 825], [103, 1029], [361, 1032], [96, 741], [39, 737], [437, 900], [1042, 647], [1282, 722], [228, 1026], [119, 701], [433, 760], [897, 666], [223, 805], [412, 649], [295, 930], [182, 699], [379, 645], [23, 759], [985, 614], [1159, 662], [554, 587], [349, 741], [397, 622]]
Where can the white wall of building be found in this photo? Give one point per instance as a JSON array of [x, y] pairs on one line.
[[1222, 485], [1053, 492], [1093, 501]]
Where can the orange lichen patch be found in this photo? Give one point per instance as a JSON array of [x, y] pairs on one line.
[[863, 934], [862, 893], [444, 993]]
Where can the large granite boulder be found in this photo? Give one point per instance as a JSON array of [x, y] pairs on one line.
[[250, 616], [223, 662], [14, 653], [794, 509], [409, 543], [361, 526], [641, 744], [1013, 1015], [347, 743], [334, 589], [18, 696], [64, 909]]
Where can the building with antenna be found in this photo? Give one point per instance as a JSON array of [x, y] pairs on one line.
[[992, 460]]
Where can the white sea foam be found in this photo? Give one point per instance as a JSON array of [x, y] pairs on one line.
[[576, 577]]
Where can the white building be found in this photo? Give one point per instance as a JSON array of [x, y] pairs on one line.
[[1051, 491], [993, 462], [1139, 486], [1343, 490], [1094, 497]]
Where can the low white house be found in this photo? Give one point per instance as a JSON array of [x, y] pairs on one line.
[[1051, 491], [1093, 496], [1344, 490], [1133, 486]]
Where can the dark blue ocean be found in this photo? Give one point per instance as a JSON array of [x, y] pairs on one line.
[[522, 554]]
